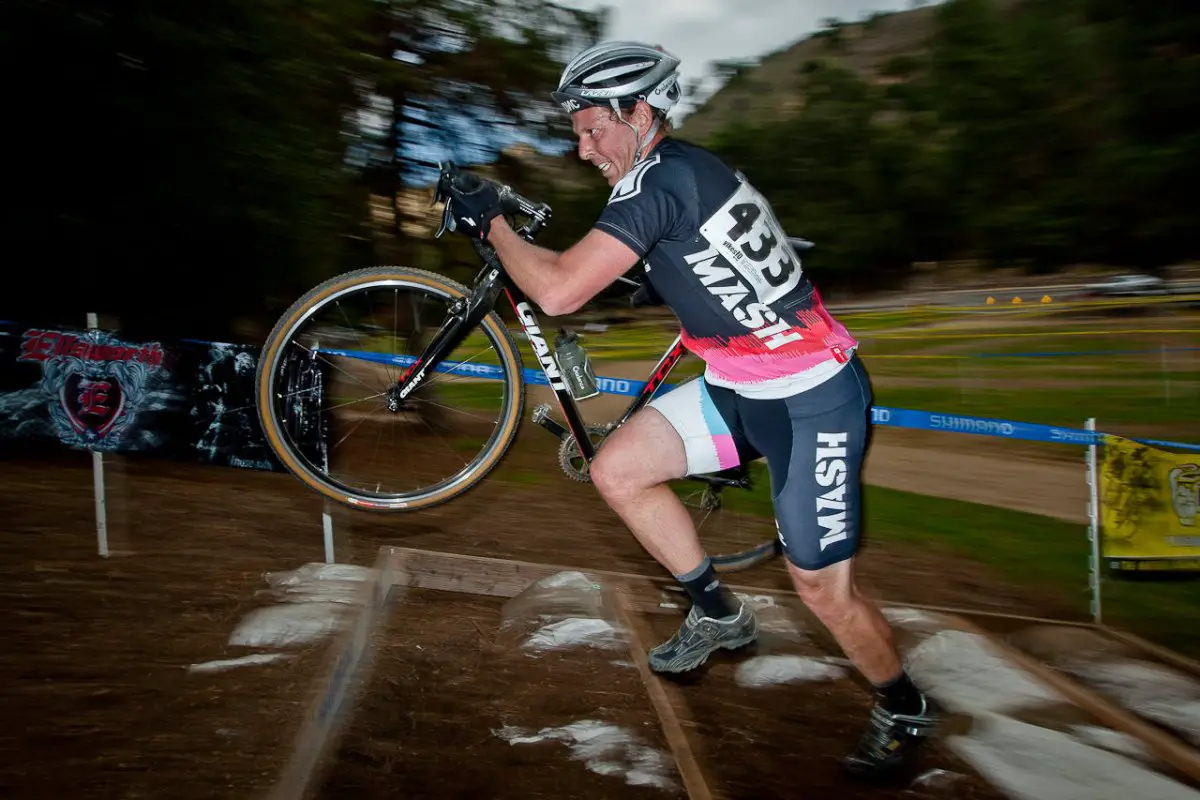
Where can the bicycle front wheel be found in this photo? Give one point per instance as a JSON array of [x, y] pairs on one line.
[[328, 412]]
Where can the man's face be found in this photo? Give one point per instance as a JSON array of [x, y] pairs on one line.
[[605, 141]]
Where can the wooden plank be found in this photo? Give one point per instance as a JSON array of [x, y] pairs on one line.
[[1169, 656], [349, 659], [1169, 748], [789, 595], [643, 607], [336, 690], [497, 577], [507, 578], [666, 699], [500, 577], [623, 592], [971, 612]]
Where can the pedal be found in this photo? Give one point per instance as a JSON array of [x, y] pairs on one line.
[[541, 416]]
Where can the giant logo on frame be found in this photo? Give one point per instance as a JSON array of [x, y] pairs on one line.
[[94, 382]]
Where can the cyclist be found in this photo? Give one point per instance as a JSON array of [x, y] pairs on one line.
[[782, 378]]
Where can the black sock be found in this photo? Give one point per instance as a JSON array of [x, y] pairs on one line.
[[706, 591], [900, 695]]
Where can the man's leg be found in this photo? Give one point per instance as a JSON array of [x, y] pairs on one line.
[[815, 443], [903, 716], [856, 622], [631, 471]]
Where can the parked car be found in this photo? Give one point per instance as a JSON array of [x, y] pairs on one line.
[[1128, 286]]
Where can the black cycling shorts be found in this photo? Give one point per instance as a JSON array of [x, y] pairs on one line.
[[814, 443]]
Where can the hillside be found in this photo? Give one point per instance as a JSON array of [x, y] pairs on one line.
[[773, 87]]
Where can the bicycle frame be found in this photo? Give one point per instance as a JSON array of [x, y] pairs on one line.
[[566, 401], [467, 313]]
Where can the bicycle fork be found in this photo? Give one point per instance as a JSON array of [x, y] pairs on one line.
[[464, 314]]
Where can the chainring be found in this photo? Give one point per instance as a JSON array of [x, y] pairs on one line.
[[572, 461]]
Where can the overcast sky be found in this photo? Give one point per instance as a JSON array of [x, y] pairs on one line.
[[701, 31]]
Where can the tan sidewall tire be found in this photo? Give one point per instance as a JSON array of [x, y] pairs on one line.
[[506, 347]]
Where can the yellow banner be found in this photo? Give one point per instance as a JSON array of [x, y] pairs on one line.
[[1148, 507]]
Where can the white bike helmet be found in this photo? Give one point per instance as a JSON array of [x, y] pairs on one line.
[[618, 74]]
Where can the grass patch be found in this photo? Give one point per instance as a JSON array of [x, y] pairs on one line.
[[1075, 344], [478, 395], [1040, 552], [885, 320], [467, 444]]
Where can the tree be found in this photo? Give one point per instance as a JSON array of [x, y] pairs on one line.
[[1142, 196], [193, 144], [230, 147], [465, 78], [1040, 132], [834, 174]]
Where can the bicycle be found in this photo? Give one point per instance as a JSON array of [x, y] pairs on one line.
[[296, 373]]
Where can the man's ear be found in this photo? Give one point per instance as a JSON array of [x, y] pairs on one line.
[[642, 117]]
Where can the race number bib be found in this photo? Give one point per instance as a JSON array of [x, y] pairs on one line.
[[746, 233]]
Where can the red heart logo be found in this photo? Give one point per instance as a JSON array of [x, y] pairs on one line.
[[93, 404]]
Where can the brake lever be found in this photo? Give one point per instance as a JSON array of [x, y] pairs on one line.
[[446, 171], [441, 194], [448, 223]]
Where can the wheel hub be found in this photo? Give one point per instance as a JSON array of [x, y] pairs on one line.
[[394, 401]]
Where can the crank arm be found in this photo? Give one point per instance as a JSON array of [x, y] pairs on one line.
[[541, 416]]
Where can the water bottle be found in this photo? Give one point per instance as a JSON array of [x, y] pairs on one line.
[[575, 366]]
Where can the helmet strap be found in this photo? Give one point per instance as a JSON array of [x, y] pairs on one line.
[[637, 137]]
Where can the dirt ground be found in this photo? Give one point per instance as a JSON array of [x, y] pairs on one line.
[[433, 721], [99, 701]]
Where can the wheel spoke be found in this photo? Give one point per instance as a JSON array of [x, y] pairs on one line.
[[327, 418]]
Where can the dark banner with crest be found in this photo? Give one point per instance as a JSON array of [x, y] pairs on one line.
[[93, 390]]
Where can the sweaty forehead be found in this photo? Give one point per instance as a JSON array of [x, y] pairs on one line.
[[588, 118]]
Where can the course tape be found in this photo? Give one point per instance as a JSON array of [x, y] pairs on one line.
[[880, 415], [1001, 428], [619, 386]]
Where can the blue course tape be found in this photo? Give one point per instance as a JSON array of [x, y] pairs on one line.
[[880, 415], [1002, 428], [983, 426], [618, 386]]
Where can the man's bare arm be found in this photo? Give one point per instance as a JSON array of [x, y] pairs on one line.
[[561, 282]]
